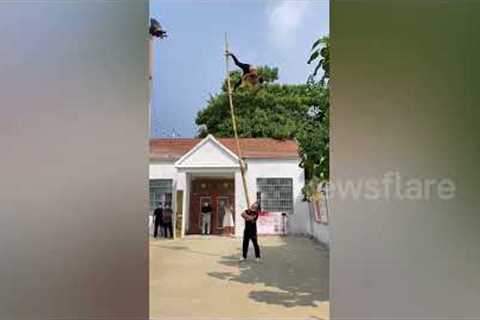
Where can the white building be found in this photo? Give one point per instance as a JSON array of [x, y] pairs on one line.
[[188, 172]]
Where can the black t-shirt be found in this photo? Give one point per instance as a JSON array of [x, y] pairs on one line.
[[167, 215], [207, 209], [251, 225], [157, 214]]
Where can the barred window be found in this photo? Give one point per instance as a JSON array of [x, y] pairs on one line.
[[275, 194], [160, 192]]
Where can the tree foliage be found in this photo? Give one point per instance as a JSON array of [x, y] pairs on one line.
[[268, 110], [313, 138], [320, 53]]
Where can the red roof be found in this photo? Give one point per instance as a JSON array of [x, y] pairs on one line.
[[260, 148]]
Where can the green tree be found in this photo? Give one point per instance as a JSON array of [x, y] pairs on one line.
[[313, 138], [268, 110], [320, 53]]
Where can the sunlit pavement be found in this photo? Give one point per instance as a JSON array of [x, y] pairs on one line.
[[199, 278]]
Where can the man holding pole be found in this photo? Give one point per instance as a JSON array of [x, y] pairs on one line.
[[250, 232]]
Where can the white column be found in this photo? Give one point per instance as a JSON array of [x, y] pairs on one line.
[[240, 204], [186, 203], [183, 184], [174, 208], [299, 222], [240, 201]]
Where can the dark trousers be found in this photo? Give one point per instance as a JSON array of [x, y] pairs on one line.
[[155, 230], [247, 236], [168, 226]]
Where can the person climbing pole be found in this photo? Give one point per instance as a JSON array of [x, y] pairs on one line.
[[249, 73]]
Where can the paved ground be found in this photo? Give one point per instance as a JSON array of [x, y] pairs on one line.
[[201, 278]]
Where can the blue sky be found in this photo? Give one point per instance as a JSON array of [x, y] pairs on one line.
[[190, 63]]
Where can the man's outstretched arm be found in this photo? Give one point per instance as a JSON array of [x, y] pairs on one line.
[[244, 66]]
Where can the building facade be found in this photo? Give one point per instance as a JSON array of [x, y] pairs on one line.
[[185, 173]]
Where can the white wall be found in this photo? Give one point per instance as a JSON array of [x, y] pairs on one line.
[[320, 231], [162, 170]]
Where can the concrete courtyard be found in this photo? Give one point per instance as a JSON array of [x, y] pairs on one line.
[[201, 278]]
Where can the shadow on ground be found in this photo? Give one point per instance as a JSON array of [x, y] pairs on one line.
[[165, 246], [294, 273]]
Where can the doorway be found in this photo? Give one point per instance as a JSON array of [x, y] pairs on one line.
[[218, 193]]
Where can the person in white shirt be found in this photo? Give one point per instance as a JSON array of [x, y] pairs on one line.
[[228, 222]]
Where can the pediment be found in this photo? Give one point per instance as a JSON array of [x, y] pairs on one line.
[[208, 153]]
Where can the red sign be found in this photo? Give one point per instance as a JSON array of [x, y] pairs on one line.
[[271, 223]]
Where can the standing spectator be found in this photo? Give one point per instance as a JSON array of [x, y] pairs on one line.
[[167, 221], [157, 219], [250, 232], [228, 222], [206, 218]]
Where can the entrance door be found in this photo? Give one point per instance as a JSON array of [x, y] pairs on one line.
[[218, 193]]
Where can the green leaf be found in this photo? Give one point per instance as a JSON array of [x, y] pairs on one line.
[[324, 52], [316, 43], [315, 71], [313, 56]]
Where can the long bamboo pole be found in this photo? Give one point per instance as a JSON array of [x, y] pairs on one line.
[[234, 125]]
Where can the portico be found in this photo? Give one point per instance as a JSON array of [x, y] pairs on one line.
[[209, 172]]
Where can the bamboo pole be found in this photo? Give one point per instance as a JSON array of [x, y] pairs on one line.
[[234, 125]]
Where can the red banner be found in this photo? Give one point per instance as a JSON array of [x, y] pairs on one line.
[[271, 223]]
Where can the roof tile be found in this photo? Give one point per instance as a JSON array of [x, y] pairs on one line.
[[260, 148]]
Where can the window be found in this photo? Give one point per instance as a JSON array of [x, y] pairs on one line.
[[275, 194], [160, 191]]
